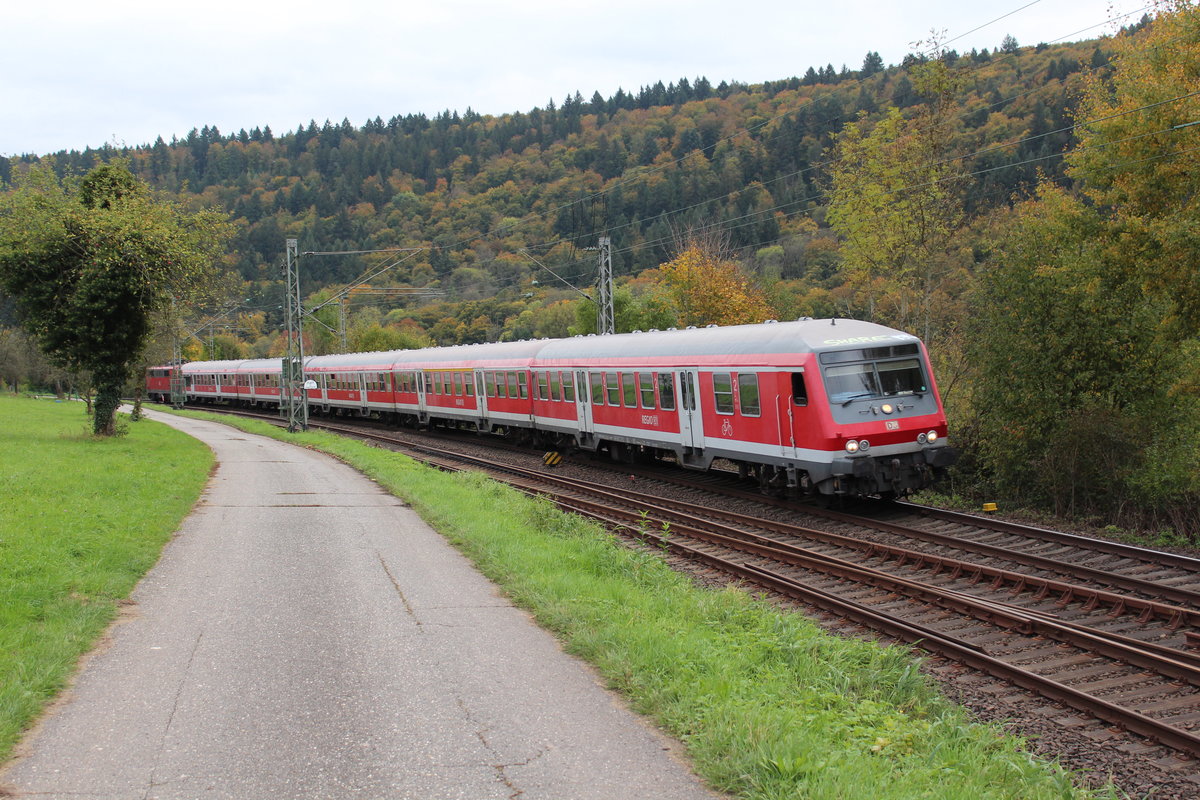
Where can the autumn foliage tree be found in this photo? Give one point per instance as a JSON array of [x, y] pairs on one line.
[[1138, 159], [707, 289], [90, 264]]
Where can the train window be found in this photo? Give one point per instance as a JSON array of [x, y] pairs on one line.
[[628, 390], [555, 386], [458, 384], [512, 385], [568, 387], [543, 386], [501, 386], [523, 379], [847, 382], [428, 383], [612, 385], [901, 377], [469, 383], [489, 383], [852, 381], [723, 392], [597, 379], [646, 386], [748, 394], [666, 391], [799, 390]]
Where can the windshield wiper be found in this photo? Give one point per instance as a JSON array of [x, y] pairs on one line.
[[858, 396]]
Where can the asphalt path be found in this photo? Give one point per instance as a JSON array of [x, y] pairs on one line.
[[306, 635]]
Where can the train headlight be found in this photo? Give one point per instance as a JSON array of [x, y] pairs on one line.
[[851, 446], [887, 408], [932, 436], [864, 446], [922, 438]]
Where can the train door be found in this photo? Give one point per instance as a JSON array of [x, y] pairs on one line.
[[481, 398], [424, 382], [583, 404], [799, 424], [361, 384], [691, 426]]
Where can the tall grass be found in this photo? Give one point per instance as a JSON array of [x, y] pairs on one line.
[[81, 520], [768, 705]]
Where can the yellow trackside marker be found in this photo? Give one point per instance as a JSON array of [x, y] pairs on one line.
[[552, 459], [989, 508]]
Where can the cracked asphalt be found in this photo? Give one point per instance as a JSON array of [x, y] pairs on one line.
[[306, 635]]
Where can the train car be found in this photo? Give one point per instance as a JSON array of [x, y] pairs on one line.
[[158, 383], [821, 406], [214, 381], [832, 407], [484, 386]]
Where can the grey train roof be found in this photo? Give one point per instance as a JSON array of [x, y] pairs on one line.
[[801, 336]]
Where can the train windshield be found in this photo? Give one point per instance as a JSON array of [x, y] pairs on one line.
[[875, 378]]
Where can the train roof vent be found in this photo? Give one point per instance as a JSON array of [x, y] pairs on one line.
[[690, 328], [654, 330], [770, 322], [804, 319], [672, 329], [636, 330], [712, 325]]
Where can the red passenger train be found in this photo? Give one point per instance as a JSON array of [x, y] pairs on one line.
[[832, 407]]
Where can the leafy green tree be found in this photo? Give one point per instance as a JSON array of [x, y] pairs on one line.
[[1082, 396], [91, 264], [897, 206], [1089, 392]]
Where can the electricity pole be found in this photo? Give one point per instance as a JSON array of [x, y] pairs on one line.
[[293, 401], [606, 317]]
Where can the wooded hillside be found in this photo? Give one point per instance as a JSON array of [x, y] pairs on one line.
[[474, 191]]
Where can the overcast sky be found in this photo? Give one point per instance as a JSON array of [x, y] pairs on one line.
[[124, 72]]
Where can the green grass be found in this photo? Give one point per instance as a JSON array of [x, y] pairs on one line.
[[81, 520], [767, 704]]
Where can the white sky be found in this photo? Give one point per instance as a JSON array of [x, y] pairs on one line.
[[78, 74]]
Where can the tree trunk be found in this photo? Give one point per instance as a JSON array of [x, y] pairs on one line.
[[108, 398]]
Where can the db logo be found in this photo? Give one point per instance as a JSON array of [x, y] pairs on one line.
[[726, 428], [892, 425]]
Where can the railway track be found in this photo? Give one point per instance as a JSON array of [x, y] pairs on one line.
[[1108, 630]]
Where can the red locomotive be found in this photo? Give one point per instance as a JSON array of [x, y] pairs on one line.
[[835, 407]]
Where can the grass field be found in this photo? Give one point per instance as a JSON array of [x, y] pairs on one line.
[[81, 520], [767, 704]]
